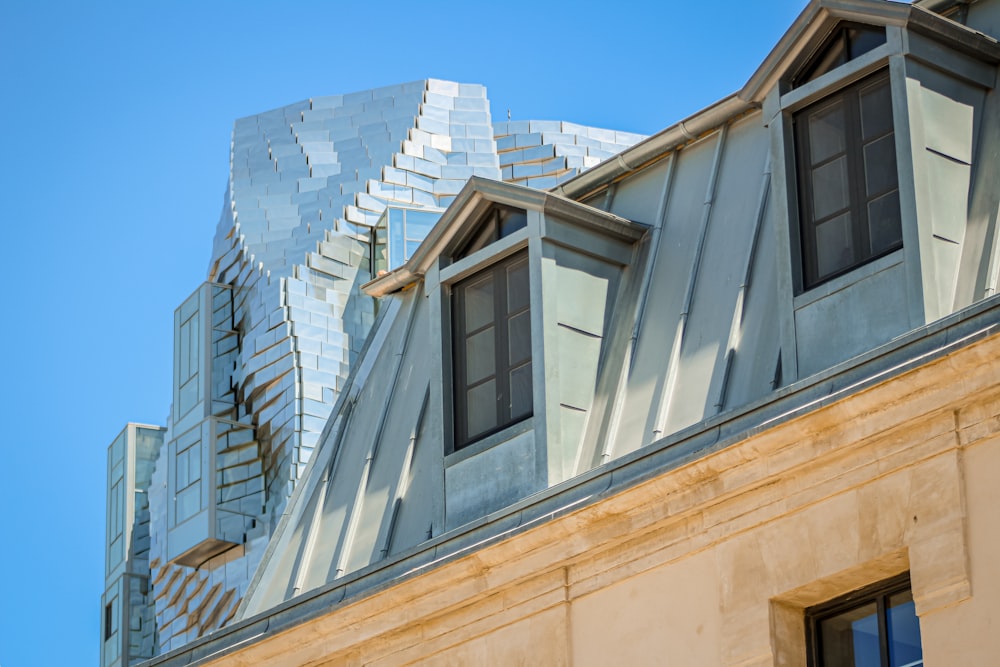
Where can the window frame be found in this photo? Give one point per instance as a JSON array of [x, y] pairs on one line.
[[110, 618], [849, 97], [878, 593], [502, 366]]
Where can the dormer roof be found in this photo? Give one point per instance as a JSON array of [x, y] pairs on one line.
[[809, 32], [463, 216]]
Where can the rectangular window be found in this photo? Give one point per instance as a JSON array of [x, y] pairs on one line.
[[876, 627], [492, 350], [110, 627], [848, 186], [187, 475]]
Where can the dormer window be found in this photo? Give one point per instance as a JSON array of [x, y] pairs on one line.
[[492, 349], [526, 285], [847, 42], [869, 105], [848, 184]]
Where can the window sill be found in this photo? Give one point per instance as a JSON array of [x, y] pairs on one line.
[[848, 279], [490, 441]]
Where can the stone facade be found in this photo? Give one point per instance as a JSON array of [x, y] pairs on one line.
[[714, 561]]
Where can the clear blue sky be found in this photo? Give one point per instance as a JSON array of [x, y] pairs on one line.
[[116, 121]]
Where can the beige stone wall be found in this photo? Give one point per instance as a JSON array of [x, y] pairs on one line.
[[713, 563]]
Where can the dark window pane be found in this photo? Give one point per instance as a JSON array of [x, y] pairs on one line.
[[517, 286], [478, 298], [520, 392], [868, 629], [880, 165], [876, 110], [829, 184], [519, 337], [834, 56], [903, 631], [481, 408], [511, 221], [484, 236], [480, 356], [850, 639], [834, 245], [826, 133], [885, 228], [491, 344], [844, 44], [496, 224], [848, 198], [109, 619], [861, 40]]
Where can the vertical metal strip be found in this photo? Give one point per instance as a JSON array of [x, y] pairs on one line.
[[670, 386], [736, 328], [345, 407], [405, 476], [618, 400], [312, 532], [347, 536]]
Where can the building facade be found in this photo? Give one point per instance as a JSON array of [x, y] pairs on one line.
[[127, 625], [730, 398], [322, 195]]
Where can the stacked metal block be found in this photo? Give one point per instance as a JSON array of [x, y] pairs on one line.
[[544, 153], [308, 185]]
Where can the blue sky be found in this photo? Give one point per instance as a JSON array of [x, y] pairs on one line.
[[116, 125]]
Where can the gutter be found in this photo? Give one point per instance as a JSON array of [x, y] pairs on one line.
[[939, 6], [655, 147]]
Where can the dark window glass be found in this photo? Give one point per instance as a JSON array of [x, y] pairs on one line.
[[109, 619], [869, 628], [492, 350], [848, 184], [847, 42], [500, 222]]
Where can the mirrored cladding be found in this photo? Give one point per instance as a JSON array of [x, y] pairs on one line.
[[205, 350], [214, 497], [397, 234], [207, 494]]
